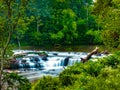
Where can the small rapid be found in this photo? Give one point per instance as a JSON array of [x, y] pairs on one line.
[[52, 63]]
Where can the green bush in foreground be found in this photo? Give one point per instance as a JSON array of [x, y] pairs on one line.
[[46, 83], [108, 79], [112, 60]]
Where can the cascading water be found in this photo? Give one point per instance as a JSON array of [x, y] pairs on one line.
[[53, 60], [35, 66]]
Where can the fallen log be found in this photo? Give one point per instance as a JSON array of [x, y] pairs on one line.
[[95, 51]]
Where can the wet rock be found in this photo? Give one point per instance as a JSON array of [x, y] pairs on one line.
[[66, 61], [56, 54], [44, 58]]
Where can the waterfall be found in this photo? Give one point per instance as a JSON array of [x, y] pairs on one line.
[[53, 60]]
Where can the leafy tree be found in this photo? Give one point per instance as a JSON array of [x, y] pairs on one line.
[[102, 6], [40, 10], [38, 32], [52, 17], [21, 29], [95, 36], [68, 31], [80, 11], [112, 28], [12, 12], [108, 13]]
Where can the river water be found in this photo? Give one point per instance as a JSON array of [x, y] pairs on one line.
[[53, 64]]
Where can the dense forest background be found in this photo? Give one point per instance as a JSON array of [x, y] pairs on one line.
[[60, 22], [68, 22]]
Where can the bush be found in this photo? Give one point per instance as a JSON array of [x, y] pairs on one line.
[[108, 79], [92, 68], [12, 81], [66, 79], [46, 83], [112, 60]]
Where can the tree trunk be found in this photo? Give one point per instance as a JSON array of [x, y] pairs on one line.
[[89, 55], [19, 44], [1, 70], [37, 25], [3, 51]]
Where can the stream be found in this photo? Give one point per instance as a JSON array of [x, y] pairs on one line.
[[34, 66]]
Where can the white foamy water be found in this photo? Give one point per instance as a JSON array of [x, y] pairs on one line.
[[55, 62]]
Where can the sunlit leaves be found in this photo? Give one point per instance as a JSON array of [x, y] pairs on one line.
[[69, 25], [59, 35], [110, 38], [109, 12], [116, 3], [96, 36], [101, 6], [111, 34], [69, 13]]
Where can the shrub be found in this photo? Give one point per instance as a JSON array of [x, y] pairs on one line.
[[46, 83], [92, 68], [12, 81], [108, 79], [67, 79], [112, 60]]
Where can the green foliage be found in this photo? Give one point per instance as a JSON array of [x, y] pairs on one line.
[[108, 17], [12, 15], [67, 79], [22, 27], [108, 79], [89, 68], [13, 21], [35, 38], [101, 6], [57, 22], [14, 81], [46, 83], [38, 38], [65, 29], [59, 35], [64, 22], [111, 34], [110, 38], [95, 35], [112, 60]]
